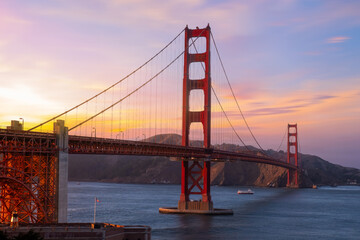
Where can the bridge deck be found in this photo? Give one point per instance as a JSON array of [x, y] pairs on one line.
[[13, 141], [105, 146]]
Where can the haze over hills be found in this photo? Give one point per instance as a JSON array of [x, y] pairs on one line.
[[142, 169]]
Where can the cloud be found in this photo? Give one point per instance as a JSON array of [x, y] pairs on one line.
[[13, 20], [313, 99], [304, 103], [323, 97], [338, 39], [272, 111], [335, 13], [24, 95], [265, 111], [287, 105], [228, 17], [11, 23], [245, 90]]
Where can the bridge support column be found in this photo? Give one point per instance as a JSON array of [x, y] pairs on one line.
[[292, 156], [62, 141], [196, 174], [195, 178]]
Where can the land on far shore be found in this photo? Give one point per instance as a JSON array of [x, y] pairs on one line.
[[162, 170]]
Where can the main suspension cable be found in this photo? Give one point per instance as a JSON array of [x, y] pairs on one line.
[[282, 140], [138, 88], [118, 82], [238, 106], [222, 109], [227, 118]]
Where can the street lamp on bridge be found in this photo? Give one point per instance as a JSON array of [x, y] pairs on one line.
[[119, 135], [93, 131], [22, 123]]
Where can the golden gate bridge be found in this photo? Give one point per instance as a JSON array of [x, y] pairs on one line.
[[125, 119]]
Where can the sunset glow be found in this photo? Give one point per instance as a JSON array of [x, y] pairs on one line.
[[289, 61]]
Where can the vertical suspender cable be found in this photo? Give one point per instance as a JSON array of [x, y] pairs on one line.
[[218, 100], [227, 79]]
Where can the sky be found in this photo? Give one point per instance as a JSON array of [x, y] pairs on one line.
[[288, 61]]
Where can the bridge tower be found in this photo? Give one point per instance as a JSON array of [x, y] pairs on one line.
[[62, 142], [33, 175], [292, 155], [28, 176], [195, 175]]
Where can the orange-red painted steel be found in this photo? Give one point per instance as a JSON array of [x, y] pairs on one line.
[[107, 146], [29, 160], [292, 156], [28, 176], [196, 173], [28, 169]]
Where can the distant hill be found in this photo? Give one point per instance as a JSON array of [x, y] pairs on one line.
[[141, 169]]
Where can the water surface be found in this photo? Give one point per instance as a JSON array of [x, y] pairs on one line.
[[270, 213]]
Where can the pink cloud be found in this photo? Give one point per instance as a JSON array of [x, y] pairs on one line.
[[338, 39]]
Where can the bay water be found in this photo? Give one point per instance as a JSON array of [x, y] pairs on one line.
[[270, 213]]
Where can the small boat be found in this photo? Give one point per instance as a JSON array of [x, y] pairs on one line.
[[245, 192]]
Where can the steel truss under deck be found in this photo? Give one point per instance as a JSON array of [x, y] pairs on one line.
[[28, 176]]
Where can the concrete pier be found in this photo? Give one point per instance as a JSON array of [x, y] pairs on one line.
[[195, 207], [62, 141], [215, 211]]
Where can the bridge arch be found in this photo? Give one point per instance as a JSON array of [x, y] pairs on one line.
[[11, 187]]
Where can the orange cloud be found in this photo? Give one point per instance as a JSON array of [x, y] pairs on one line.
[[338, 39]]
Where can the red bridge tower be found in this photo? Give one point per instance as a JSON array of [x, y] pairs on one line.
[[292, 157], [195, 175]]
